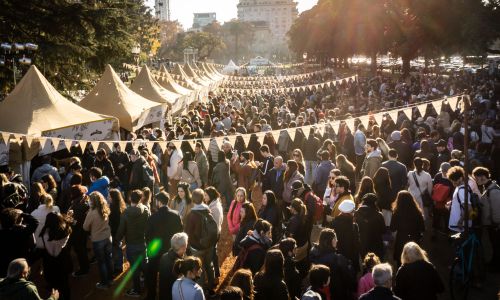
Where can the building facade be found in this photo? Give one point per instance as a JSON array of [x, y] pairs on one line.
[[201, 20], [278, 14], [162, 10]]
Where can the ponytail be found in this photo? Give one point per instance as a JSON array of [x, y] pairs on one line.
[[299, 207], [183, 266]]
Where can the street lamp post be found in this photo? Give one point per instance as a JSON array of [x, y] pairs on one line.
[[136, 51], [13, 51]]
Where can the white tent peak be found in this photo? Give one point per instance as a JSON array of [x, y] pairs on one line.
[[35, 106], [146, 86]]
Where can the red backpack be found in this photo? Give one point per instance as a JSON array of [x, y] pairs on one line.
[[318, 207], [441, 193]]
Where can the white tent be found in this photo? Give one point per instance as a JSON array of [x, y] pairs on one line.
[[145, 85], [111, 96], [230, 68], [36, 108]]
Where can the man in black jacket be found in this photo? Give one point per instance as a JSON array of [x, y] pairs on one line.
[[382, 277], [16, 235], [275, 178], [160, 228], [404, 151], [397, 171], [178, 245]]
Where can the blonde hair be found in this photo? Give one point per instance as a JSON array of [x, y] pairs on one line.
[[98, 202], [47, 200], [412, 253]]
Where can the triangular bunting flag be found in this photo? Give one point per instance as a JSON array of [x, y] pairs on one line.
[[231, 139], [109, 145], [57, 144], [408, 112], [177, 144], [123, 145], [95, 145], [5, 137], [292, 132], [350, 124], [394, 115], [150, 145], [246, 138], [365, 120], [422, 108], [260, 137], [29, 141], [321, 129], [219, 140], [276, 135], [437, 106], [67, 144], [379, 118], [47, 146], [163, 146], [453, 102]]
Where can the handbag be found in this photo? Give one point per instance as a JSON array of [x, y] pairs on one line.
[[426, 197]]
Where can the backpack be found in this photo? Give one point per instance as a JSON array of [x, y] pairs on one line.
[[474, 207], [148, 177], [440, 195], [14, 195], [319, 207], [242, 257], [209, 230]]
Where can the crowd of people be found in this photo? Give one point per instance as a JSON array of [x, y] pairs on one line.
[[339, 215]]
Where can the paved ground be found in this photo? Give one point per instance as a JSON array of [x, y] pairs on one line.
[[440, 252]]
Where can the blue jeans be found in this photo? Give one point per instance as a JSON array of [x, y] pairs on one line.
[[117, 256], [309, 168], [135, 252], [102, 251]]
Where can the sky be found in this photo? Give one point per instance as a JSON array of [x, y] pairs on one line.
[[183, 10]]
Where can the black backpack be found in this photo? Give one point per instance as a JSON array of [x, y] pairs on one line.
[[209, 230]]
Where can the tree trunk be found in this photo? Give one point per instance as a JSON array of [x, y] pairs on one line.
[[373, 66], [406, 66]]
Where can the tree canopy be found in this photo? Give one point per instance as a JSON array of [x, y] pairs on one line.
[[77, 39], [406, 28]]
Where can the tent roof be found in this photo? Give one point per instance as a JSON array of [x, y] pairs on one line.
[[111, 96], [195, 77], [35, 106], [146, 86], [184, 77], [170, 84]]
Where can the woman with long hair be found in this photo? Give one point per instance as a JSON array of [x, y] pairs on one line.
[[347, 233], [420, 183], [254, 247], [271, 212], [365, 283], [366, 186], [36, 194], [212, 199], [298, 157], [248, 217], [371, 226], [46, 207], [50, 185], [407, 221], [347, 169], [97, 224], [189, 271], [329, 146], [243, 279], [188, 172], [417, 278], [233, 216], [117, 207], [384, 192], [221, 179], [269, 283], [291, 175], [182, 202], [147, 197], [56, 257]]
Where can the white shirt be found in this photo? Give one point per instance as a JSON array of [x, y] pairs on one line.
[[456, 210], [217, 212], [41, 214], [425, 183], [175, 158]]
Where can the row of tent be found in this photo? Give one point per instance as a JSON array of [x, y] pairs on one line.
[[36, 108]]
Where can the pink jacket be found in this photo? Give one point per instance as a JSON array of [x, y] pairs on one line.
[[234, 222], [365, 284]]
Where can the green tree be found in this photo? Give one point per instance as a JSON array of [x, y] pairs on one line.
[[205, 42], [239, 37]]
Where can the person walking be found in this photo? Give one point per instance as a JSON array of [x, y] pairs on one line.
[[382, 278], [371, 226], [167, 276], [269, 283]]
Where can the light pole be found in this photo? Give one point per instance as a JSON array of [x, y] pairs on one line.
[[11, 52], [136, 51]]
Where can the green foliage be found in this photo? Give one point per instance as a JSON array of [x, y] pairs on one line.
[[76, 38], [406, 28]]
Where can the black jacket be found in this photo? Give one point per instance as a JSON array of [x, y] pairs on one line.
[[348, 238], [163, 225], [418, 280], [106, 167], [292, 278], [17, 242], [255, 257], [276, 183], [398, 174], [270, 288], [273, 216], [371, 226], [343, 284], [405, 154], [242, 233], [121, 164], [167, 275], [311, 147], [409, 228], [379, 293]]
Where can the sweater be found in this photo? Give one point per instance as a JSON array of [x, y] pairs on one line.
[[97, 225], [233, 217], [14, 289]]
